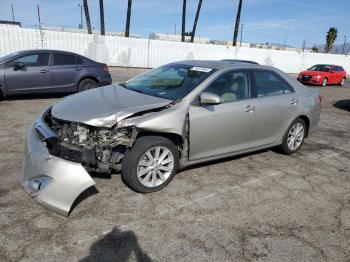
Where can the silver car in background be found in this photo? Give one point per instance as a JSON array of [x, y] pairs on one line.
[[174, 116]]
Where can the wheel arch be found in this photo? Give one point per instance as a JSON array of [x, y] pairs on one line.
[[173, 137]]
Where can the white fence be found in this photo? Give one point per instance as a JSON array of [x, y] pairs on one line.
[[131, 52]]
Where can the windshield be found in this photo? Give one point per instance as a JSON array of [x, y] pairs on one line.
[[170, 82], [323, 68], [6, 57]]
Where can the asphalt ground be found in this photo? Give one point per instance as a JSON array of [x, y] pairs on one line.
[[257, 207]]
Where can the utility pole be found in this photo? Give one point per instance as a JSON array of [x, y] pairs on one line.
[[196, 20], [242, 25], [81, 16], [102, 18], [284, 42], [40, 28], [87, 16], [128, 17], [13, 14], [304, 45], [183, 21], [344, 45]]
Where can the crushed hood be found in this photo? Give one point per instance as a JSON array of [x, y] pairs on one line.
[[105, 106]]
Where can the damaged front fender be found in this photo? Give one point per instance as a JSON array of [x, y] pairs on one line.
[[53, 182]]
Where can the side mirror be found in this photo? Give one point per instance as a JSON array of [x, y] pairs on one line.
[[18, 66], [207, 98]]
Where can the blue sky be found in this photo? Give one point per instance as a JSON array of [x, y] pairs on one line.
[[264, 20]]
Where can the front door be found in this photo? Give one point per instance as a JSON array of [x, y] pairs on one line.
[[34, 76], [226, 127]]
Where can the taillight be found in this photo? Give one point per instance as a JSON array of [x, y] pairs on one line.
[[105, 68]]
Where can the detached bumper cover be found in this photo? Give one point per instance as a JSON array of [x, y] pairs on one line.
[[53, 182]]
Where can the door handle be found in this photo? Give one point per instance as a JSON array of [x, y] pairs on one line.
[[43, 71], [249, 108], [293, 101], [78, 69]]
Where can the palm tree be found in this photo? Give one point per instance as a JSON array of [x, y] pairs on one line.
[[238, 19], [196, 20], [331, 36], [128, 15], [87, 16], [183, 20], [102, 18], [314, 49]]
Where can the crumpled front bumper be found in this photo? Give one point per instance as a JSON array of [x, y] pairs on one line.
[[53, 182]]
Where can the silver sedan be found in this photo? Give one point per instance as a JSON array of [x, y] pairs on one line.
[[174, 116]]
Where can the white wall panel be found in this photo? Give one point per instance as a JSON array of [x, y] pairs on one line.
[[131, 52]]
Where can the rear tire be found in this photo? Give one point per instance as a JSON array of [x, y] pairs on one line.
[[342, 82], [87, 84], [294, 137], [324, 82], [143, 168]]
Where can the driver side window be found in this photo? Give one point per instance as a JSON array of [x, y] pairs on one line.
[[231, 86], [36, 59]]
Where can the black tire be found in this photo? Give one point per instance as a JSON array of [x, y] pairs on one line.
[[133, 156], [342, 82], [324, 82], [284, 146], [87, 84]]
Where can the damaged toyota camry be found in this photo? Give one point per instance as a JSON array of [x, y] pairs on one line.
[[174, 116]]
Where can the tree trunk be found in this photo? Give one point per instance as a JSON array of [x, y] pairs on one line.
[[102, 18], [238, 19], [87, 16], [128, 15], [196, 20], [183, 20]]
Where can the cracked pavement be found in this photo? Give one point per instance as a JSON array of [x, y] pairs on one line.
[[257, 207]]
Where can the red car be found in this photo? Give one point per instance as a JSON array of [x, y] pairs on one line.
[[323, 75]]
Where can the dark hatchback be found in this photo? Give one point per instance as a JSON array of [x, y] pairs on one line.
[[50, 71]]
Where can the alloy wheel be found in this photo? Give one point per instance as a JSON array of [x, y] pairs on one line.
[[155, 166], [295, 136]]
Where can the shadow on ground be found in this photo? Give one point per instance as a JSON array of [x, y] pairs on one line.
[[343, 104], [117, 246]]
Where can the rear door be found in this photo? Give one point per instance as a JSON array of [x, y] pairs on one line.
[[66, 70], [226, 127], [34, 77], [277, 105]]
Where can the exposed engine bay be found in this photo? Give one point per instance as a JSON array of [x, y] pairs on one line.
[[96, 148]]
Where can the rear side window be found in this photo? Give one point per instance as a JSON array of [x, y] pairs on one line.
[[338, 69], [36, 59], [79, 60], [64, 59], [269, 83]]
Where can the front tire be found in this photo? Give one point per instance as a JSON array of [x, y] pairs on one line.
[[294, 137], [87, 84], [150, 164], [324, 82]]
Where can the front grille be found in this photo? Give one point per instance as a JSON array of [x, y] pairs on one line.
[[305, 78]]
